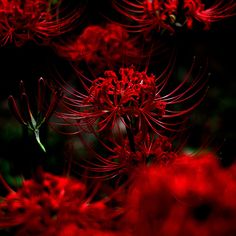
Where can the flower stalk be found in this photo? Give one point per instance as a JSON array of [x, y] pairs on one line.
[[24, 114]]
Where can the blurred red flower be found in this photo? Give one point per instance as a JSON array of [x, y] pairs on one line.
[[100, 46], [37, 20], [192, 196], [56, 206]]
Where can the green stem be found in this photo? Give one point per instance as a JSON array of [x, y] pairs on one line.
[[36, 132]]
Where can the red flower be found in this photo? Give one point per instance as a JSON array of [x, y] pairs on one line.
[[192, 196], [133, 97], [149, 14], [37, 20], [121, 160], [24, 114], [56, 205], [100, 46], [196, 10], [167, 15]]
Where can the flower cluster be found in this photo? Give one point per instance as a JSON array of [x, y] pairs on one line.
[[37, 20], [99, 46], [122, 128], [172, 14], [189, 197], [125, 156], [130, 117], [133, 97], [55, 206]]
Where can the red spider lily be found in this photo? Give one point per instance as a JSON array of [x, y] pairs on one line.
[[196, 10], [192, 196], [100, 46], [56, 205], [37, 20], [133, 97], [149, 14], [167, 15], [121, 159], [24, 114]]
